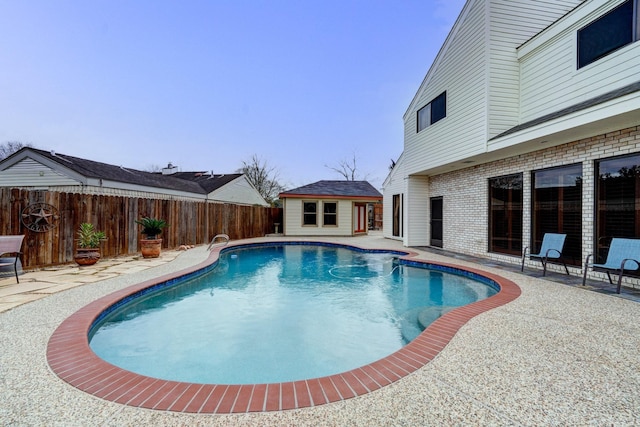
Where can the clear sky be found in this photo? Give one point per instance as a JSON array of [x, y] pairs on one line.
[[303, 84]]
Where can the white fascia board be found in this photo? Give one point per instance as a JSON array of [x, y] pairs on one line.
[[133, 187], [45, 161], [441, 53], [599, 119], [568, 23], [393, 171]]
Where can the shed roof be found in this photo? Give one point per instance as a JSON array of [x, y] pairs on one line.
[[342, 189]]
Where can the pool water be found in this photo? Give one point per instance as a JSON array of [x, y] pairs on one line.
[[280, 313]]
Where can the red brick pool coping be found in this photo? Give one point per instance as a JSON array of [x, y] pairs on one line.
[[71, 358]]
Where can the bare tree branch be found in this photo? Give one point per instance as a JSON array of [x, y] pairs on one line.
[[10, 147], [348, 169], [264, 178]]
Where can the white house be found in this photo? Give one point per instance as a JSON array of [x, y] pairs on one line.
[[527, 122], [328, 208], [38, 169]]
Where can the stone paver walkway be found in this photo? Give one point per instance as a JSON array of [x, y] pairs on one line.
[[38, 284]]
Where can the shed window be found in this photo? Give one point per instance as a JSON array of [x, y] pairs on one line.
[[310, 213], [608, 33], [330, 213], [433, 112]]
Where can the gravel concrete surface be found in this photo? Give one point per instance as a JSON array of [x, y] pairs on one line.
[[557, 355]]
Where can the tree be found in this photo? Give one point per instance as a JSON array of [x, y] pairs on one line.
[[10, 147], [153, 168], [348, 169], [264, 178]]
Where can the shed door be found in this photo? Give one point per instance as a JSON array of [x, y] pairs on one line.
[[360, 219]]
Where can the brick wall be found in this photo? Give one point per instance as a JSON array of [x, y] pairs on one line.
[[465, 192]]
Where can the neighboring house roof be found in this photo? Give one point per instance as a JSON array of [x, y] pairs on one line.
[[84, 171], [336, 189], [208, 181], [99, 170]]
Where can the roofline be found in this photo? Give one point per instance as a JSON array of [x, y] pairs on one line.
[[391, 171], [575, 108], [115, 184], [30, 152], [440, 55], [327, 196]]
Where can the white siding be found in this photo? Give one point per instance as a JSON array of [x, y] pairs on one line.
[[512, 23], [417, 212], [293, 219], [29, 173], [460, 71], [550, 79], [479, 69], [238, 191], [394, 184]]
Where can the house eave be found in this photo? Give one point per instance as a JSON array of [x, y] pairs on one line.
[[332, 197], [598, 119]]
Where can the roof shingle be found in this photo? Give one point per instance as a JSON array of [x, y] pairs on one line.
[[359, 189]]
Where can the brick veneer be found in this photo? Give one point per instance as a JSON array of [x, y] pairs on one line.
[[468, 220]]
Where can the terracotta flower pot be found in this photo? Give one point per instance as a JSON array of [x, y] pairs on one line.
[[87, 256], [150, 247]]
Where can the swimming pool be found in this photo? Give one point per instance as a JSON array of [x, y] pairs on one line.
[[72, 360], [278, 313]]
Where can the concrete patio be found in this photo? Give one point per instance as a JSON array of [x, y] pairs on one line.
[[558, 355]]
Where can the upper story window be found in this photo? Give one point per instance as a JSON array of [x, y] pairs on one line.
[[432, 112], [608, 33]]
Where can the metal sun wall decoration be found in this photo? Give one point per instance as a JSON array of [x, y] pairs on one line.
[[40, 217]]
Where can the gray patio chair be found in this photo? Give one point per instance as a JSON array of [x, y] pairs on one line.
[[624, 254], [552, 245], [11, 245]]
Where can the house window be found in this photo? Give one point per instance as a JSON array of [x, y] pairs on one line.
[[433, 112], [557, 208], [330, 213], [608, 33], [505, 214], [310, 213], [617, 201], [397, 215]]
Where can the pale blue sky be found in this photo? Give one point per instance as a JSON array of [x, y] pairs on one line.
[[207, 84]]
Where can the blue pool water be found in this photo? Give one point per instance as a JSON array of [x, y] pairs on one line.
[[280, 313]]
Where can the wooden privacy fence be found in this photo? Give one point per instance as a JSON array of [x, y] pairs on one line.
[[190, 222]]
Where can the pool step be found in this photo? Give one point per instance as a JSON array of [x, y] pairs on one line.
[[416, 320], [428, 315]]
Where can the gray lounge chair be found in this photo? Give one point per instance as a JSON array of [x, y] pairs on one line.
[[552, 245], [624, 254], [11, 245]]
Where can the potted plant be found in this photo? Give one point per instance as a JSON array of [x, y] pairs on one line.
[[88, 247], [151, 244]]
